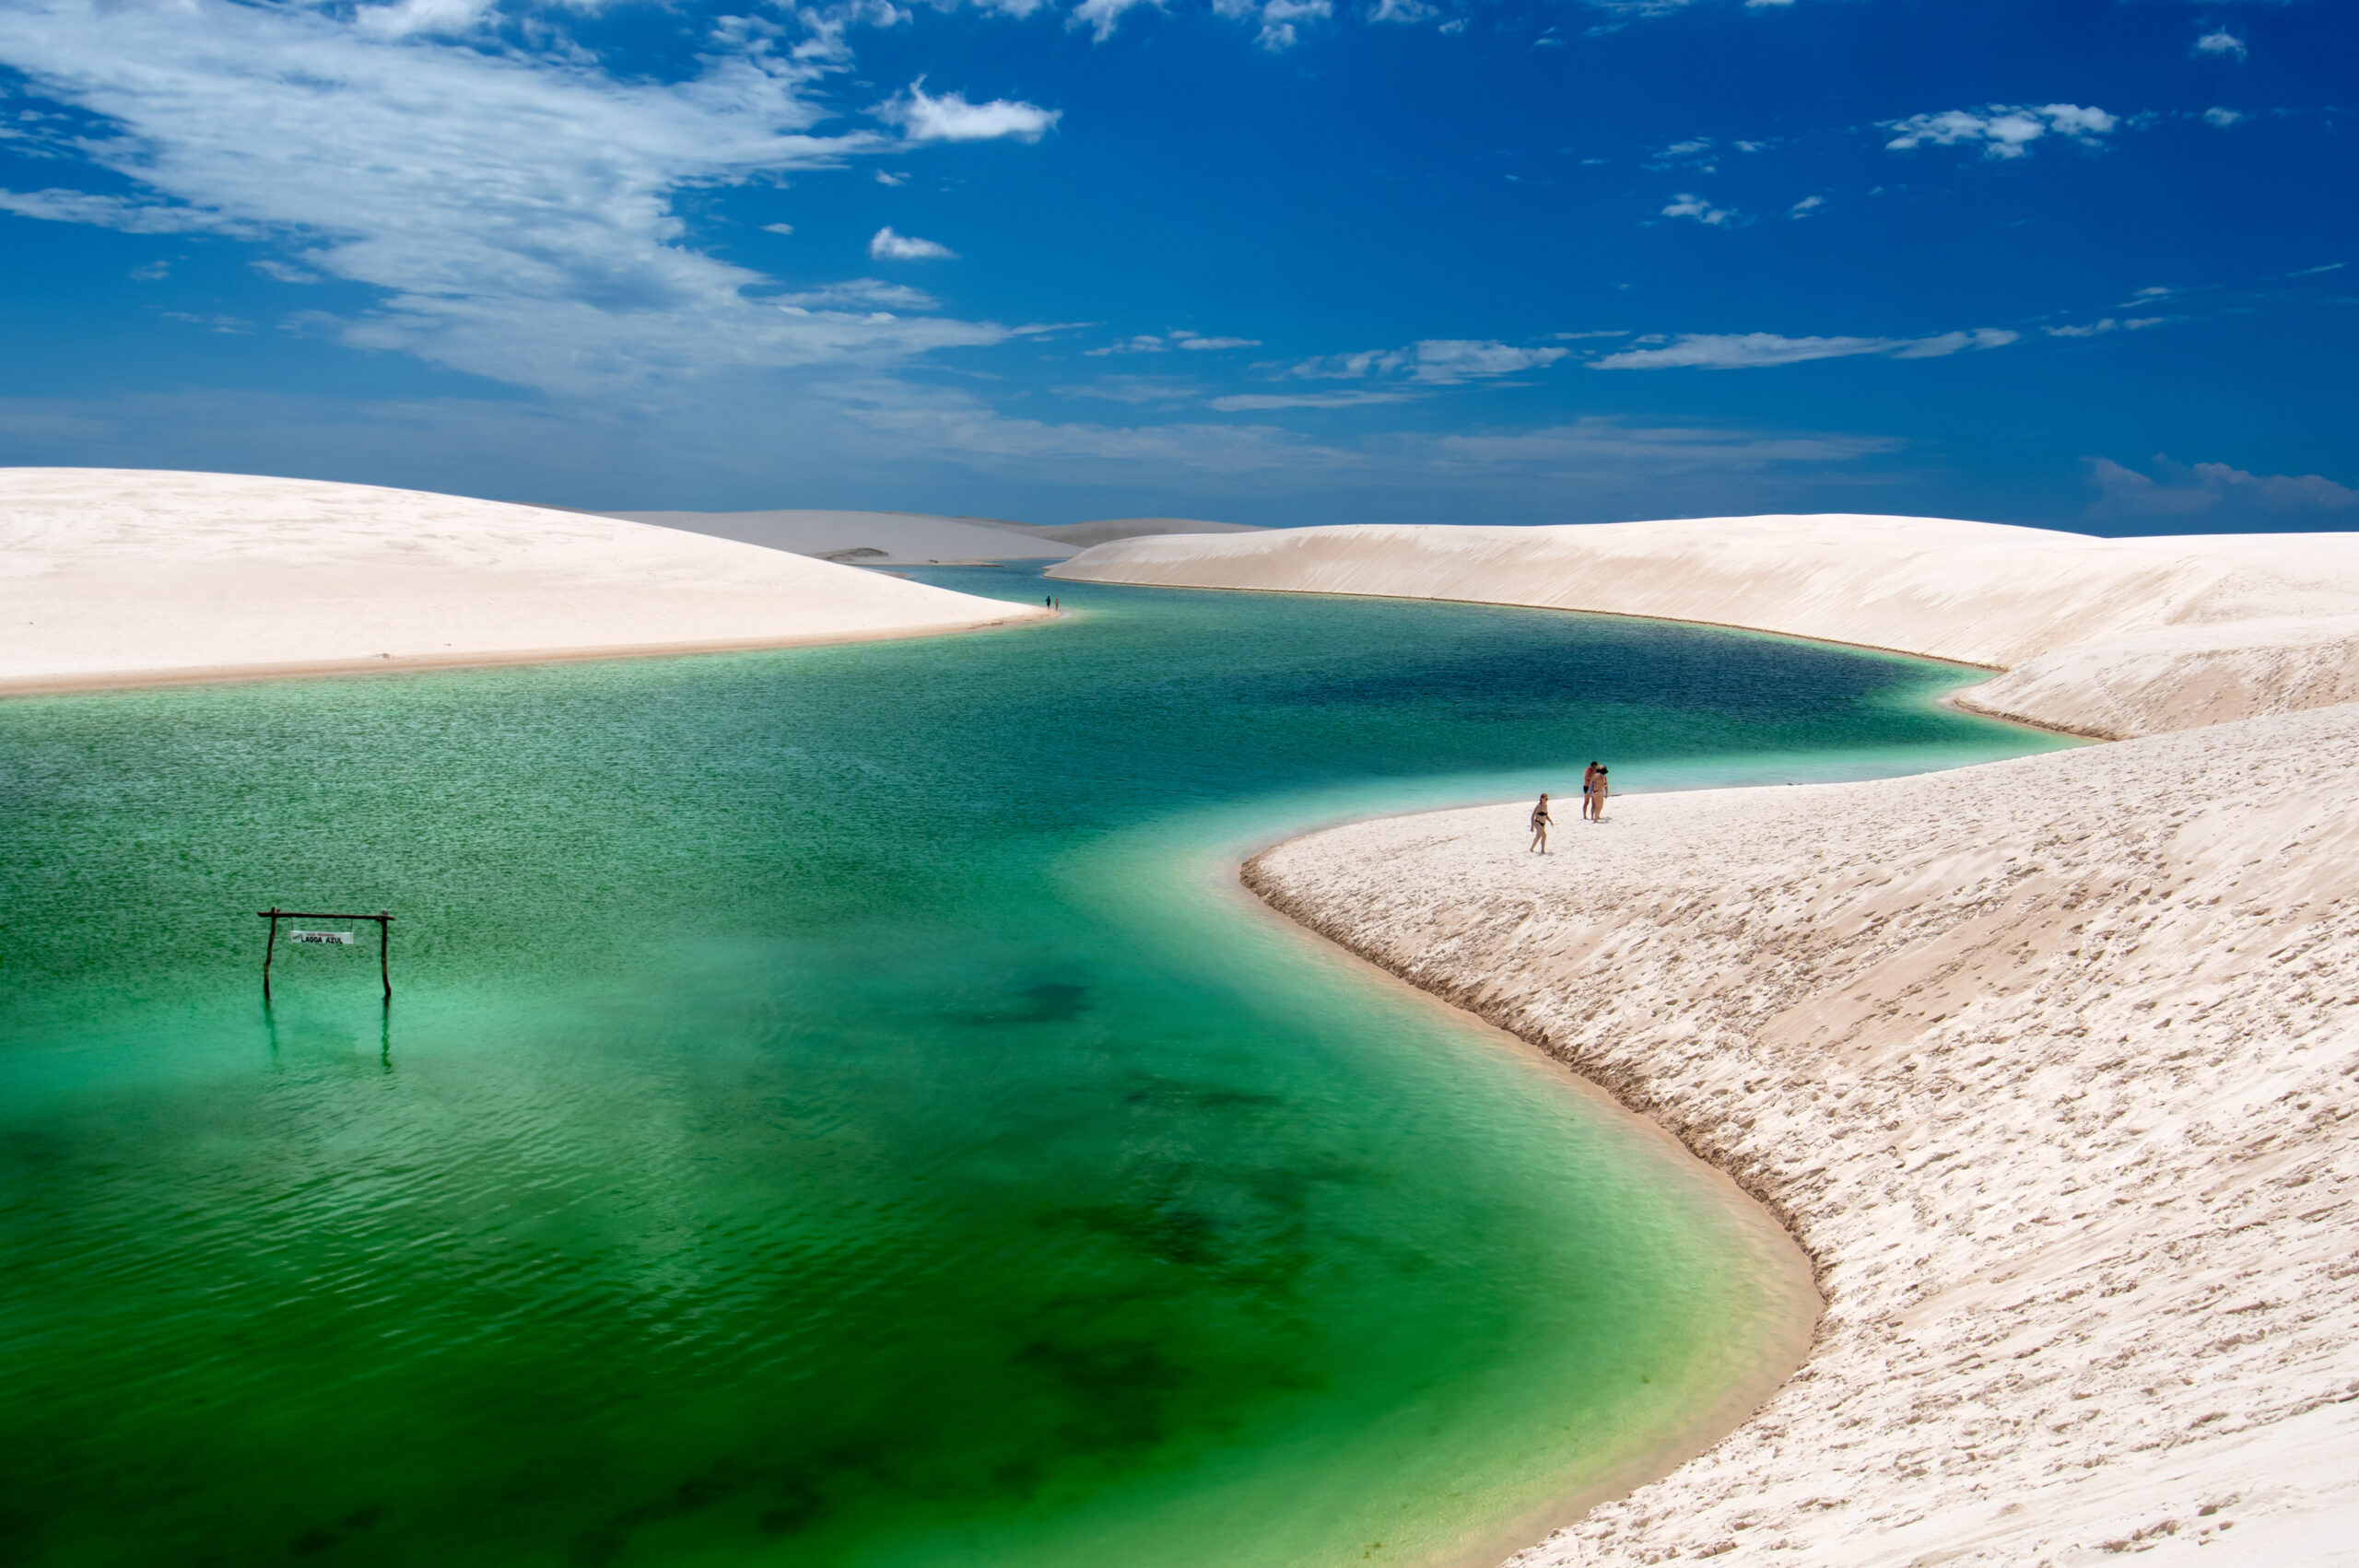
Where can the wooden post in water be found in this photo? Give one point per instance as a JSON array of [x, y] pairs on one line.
[[384, 918]]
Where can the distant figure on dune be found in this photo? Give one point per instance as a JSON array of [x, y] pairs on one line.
[[1541, 822], [1597, 798]]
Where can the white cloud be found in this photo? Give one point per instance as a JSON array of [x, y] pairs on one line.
[[1602, 446], [2099, 327], [1743, 351], [1180, 338], [2222, 118], [1447, 361], [408, 17], [153, 271], [1806, 206], [1257, 402], [114, 212], [949, 424], [887, 246], [235, 324], [1350, 367], [1437, 361], [1135, 389], [891, 180], [284, 272], [2219, 41], [1402, 11], [1102, 17], [950, 118], [2001, 129], [1278, 18], [861, 293], [1689, 205], [777, 228], [2216, 491], [515, 212]]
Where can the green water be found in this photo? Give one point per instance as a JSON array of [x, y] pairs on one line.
[[834, 1109]]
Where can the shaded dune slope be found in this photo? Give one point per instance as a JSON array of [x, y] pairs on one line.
[[2108, 637], [2050, 1065], [112, 577]]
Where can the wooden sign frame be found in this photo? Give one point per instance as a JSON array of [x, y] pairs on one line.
[[384, 941]]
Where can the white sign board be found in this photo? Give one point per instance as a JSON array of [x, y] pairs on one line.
[[340, 939]]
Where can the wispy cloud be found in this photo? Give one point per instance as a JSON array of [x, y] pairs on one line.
[[1602, 446], [860, 294], [2219, 41], [1688, 205], [2001, 129], [130, 216], [2220, 118], [887, 246], [1745, 351], [1102, 17], [2105, 324], [1135, 389], [2216, 491], [1259, 403], [1433, 362], [1180, 338], [497, 248], [1278, 18], [950, 118]]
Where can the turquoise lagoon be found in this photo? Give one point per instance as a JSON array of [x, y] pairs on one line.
[[837, 1107]]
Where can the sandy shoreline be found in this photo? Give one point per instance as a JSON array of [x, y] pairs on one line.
[[232, 674], [114, 577], [2048, 1065], [2105, 637]]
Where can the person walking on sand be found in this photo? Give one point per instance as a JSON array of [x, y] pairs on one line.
[[1589, 786], [1597, 798], [1541, 822]]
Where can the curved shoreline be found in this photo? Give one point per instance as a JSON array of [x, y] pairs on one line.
[[2104, 638], [489, 658], [114, 577], [1885, 1010]]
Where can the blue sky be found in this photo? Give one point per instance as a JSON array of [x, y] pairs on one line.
[[2081, 264]]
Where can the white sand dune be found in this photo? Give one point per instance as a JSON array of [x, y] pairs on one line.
[[878, 538], [2104, 637], [1105, 531], [2051, 1065], [116, 577], [889, 539]]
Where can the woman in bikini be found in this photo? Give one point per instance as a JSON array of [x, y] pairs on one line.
[[1597, 797], [1541, 822]]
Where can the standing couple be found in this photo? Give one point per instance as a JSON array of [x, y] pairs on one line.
[[1593, 789]]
